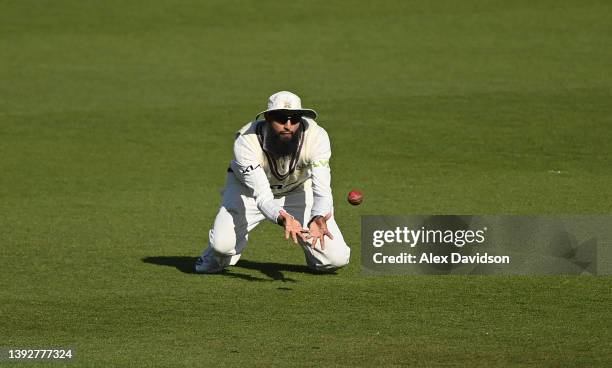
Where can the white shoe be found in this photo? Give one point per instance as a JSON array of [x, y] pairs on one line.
[[211, 262], [203, 265]]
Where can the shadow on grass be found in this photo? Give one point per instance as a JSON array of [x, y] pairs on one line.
[[274, 271]]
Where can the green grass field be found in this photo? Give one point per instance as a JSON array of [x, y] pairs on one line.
[[116, 126]]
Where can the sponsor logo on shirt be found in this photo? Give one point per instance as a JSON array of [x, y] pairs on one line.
[[248, 169]]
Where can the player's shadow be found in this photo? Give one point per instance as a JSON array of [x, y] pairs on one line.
[[274, 271]]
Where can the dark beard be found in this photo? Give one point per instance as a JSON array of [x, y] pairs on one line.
[[280, 148]]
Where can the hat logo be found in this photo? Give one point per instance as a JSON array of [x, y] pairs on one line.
[[287, 104]]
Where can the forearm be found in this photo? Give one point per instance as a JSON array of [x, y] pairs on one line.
[[323, 201], [255, 179]]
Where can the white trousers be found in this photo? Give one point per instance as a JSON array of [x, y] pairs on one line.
[[238, 215]]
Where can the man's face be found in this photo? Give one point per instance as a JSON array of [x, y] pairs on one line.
[[284, 124]]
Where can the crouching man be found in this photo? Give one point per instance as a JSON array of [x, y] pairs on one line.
[[280, 172]]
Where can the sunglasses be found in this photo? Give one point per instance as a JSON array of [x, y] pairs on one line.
[[282, 117]]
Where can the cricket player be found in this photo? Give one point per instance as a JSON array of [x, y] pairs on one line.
[[280, 172]]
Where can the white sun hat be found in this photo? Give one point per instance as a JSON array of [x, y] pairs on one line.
[[289, 102]]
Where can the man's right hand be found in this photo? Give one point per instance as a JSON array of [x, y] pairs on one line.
[[292, 226]]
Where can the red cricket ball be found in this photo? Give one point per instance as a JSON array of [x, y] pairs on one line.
[[355, 197]]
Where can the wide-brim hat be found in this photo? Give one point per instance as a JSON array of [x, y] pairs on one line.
[[287, 102]]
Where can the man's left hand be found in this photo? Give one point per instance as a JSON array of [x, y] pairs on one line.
[[318, 230]]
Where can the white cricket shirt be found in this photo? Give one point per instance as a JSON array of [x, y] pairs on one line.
[[268, 177]]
